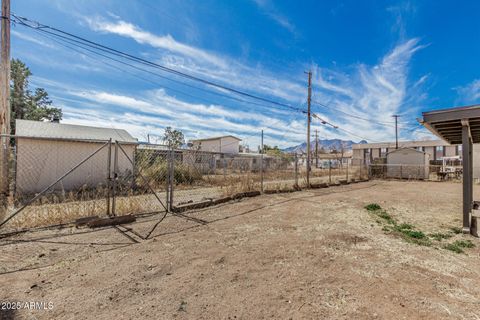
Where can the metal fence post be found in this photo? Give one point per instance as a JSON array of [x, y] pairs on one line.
[[329, 171], [115, 176], [224, 167], [296, 170], [172, 180], [401, 172], [346, 174], [109, 174], [167, 180], [360, 172], [261, 172]]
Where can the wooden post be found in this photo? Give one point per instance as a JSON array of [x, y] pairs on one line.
[[4, 100]]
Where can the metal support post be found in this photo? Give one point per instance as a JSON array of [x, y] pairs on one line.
[[329, 171], [346, 174], [115, 176], [167, 180], [109, 174], [172, 181], [467, 177], [296, 170], [261, 166]]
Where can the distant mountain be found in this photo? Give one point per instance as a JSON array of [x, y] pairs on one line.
[[327, 144]]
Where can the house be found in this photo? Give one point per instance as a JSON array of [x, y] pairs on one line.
[[47, 150], [223, 144], [405, 163]]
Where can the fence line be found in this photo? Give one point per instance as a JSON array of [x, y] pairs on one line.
[[55, 181]]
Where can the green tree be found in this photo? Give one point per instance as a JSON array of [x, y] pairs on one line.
[[173, 138], [273, 151], [26, 104]]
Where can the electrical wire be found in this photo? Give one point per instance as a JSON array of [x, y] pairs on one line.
[[60, 33]]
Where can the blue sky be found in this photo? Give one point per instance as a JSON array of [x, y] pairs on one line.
[[370, 60]]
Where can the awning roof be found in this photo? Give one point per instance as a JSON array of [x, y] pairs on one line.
[[447, 124]]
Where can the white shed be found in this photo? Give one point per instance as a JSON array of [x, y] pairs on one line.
[[47, 150], [405, 163], [224, 144]]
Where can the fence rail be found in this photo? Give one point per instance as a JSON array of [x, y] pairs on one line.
[[53, 181]]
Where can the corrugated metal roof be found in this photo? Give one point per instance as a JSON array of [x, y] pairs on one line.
[[52, 130]]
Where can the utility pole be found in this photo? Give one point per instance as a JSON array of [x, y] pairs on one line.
[[309, 100], [396, 130], [4, 100], [316, 148], [261, 164]]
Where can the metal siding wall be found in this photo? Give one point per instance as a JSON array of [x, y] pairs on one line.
[[41, 162]]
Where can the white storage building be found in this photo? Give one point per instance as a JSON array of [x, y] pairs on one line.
[[405, 163], [47, 150]]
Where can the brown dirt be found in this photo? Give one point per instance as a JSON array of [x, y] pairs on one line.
[[305, 255]]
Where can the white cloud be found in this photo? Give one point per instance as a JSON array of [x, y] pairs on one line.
[[269, 9], [201, 63], [469, 94], [156, 110], [166, 42], [374, 92]]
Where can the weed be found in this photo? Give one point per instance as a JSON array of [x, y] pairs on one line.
[[414, 234], [404, 226], [456, 230], [385, 216], [373, 207], [464, 243], [440, 236], [454, 248], [459, 245]]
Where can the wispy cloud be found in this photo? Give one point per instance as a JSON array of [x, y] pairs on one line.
[[156, 110], [199, 62], [167, 42], [271, 11], [469, 94], [374, 92]]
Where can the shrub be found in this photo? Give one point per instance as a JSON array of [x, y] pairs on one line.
[[373, 207]]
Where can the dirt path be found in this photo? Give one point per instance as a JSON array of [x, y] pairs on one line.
[[306, 255]]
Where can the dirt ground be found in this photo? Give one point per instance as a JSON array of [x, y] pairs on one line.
[[306, 255]]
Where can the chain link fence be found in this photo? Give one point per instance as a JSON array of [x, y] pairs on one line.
[[415, 172], [56, 181]]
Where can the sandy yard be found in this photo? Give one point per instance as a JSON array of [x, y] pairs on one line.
[[306, 255]]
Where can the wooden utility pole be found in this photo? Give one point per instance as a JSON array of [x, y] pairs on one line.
[[309, 100], [4, 100], [261, 164], [396, 130], [316, 148]]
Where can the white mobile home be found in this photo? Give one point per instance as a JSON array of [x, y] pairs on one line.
[[223, 144]]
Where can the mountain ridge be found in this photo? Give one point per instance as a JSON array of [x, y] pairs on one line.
[[326, 144]]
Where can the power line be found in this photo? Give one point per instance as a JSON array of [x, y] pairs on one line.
[[60, 42], [383, 123], [60, 33], [82, 42]]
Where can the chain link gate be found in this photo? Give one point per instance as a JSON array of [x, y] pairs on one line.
[[93, 179]]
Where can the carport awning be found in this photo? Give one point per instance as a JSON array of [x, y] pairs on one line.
[[447, 124], [459, 126]]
